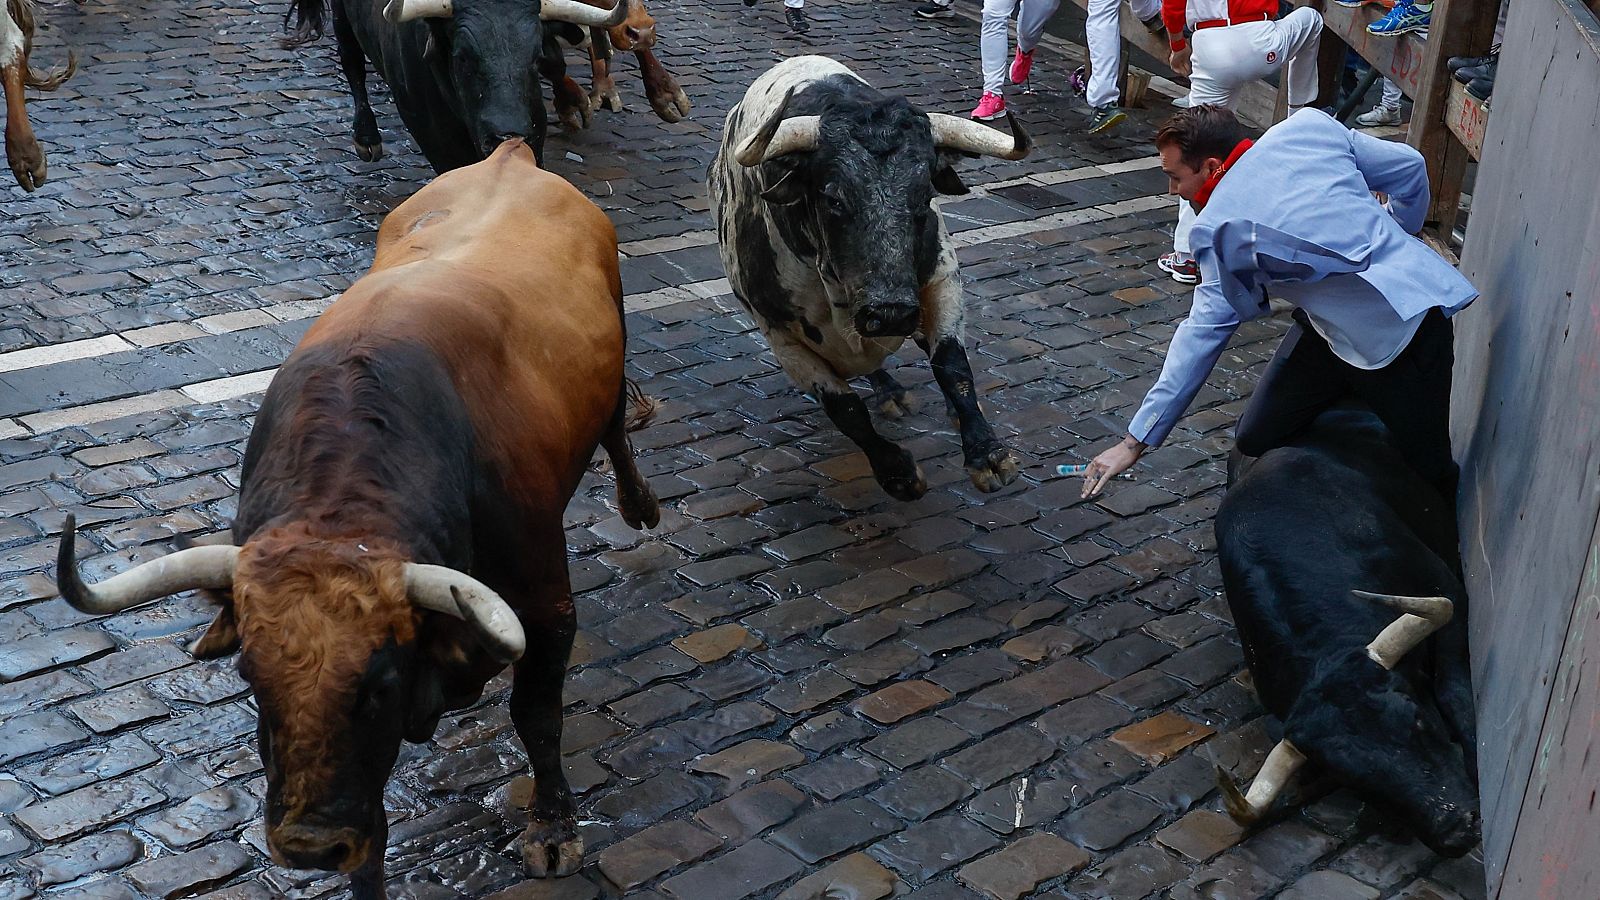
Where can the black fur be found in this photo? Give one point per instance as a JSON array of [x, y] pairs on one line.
[[1337, 510]]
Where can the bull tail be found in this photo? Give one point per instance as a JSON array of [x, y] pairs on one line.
[[642, 408], [308, 18], [22, 14]]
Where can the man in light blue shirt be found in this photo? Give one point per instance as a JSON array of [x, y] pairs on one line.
[[1294, 213]]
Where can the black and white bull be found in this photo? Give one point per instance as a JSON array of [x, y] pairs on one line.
[[1322, 543], [463, 73], [822, 193]]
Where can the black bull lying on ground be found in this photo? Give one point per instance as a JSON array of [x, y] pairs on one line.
[[1322, 543], [823, 194], [462, 72]]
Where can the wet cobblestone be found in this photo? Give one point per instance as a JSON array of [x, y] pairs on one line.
[[795, 687]]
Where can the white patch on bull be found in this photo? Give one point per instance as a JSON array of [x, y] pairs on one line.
[[11, 43]]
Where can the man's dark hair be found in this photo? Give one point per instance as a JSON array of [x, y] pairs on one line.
[[1201, 133]]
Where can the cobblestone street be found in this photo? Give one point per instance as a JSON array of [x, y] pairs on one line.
[[795, 687]]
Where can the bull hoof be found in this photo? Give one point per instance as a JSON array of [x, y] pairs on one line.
[[369, 152], [673, 107], [901, 477], [552, 849], [894, 406], [606, 97], [27, 164], [994, 471], [639, 506]]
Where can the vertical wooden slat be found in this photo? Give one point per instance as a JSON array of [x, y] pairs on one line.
[[1458, 28]]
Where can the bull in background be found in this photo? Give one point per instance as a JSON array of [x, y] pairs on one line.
[[822, 193], [1339, 561], [23, 153], [399, 536], [464, 73], [638, 34]]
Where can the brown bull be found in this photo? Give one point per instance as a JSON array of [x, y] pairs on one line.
[[638, 34], [399, 536], [23, 154]]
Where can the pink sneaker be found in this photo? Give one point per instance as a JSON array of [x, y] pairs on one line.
[[990, 106], [1021, 66]]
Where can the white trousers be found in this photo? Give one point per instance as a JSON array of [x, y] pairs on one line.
[[992, 40], [1104, 35], [1226, 59]]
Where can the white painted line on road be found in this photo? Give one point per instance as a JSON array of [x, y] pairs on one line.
[[58, 353], [228, 388], [56, 419], [235, 386], [165, 333]]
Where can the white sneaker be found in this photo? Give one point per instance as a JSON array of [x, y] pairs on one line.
[[1379, 115]]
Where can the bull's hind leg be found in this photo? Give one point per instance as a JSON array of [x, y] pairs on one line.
[[637, 502], [369, 144], [603, 93], [890, 395], [550, 845], [892, 465]]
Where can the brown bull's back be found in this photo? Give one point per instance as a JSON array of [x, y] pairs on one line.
[[509, 274]]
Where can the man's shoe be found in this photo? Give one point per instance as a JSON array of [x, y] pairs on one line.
[[1154, 25], [1469, 74], [1379, 115], [1105, 118], [1405, 18], [1467, 62], [1021, 65], [1079, 81], [796, 17], [934, 11], [1182, 269], [990, 107], [1481, 87], [749, 2]]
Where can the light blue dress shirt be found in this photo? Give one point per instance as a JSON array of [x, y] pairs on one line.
[[1296, 216]]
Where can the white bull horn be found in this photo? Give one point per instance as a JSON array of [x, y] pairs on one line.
[[963, 134], [779, 136], [1419, 617], [583, 14], [453, 593], [398, 11], [1247, 808], [185, 570]]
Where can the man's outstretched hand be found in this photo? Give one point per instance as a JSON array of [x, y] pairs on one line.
[[1111, 463]]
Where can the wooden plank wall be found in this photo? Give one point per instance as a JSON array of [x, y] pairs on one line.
[[1526, 417]]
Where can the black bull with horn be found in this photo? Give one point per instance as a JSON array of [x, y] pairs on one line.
[[1340, 563]]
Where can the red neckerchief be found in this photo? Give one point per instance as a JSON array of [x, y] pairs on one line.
[[1204, 194]]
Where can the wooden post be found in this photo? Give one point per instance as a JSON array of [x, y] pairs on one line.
[[1457, 28]]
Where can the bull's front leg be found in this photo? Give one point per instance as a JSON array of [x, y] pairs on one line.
[[892, 465], [366, 882], [550, 845], [572, 104], [990, 463], [666, 98], [603, 92]]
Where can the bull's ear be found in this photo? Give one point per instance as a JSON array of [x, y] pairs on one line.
[[221, 639], [787, 189], [946, 181]]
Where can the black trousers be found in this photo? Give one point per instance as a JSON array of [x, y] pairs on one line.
[[1411, 395]]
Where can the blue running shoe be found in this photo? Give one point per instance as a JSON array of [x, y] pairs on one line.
[[1405, 18]]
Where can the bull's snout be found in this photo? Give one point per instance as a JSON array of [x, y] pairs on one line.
[[312, 847], [888, 319], [495, 139], [1462, 838]]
